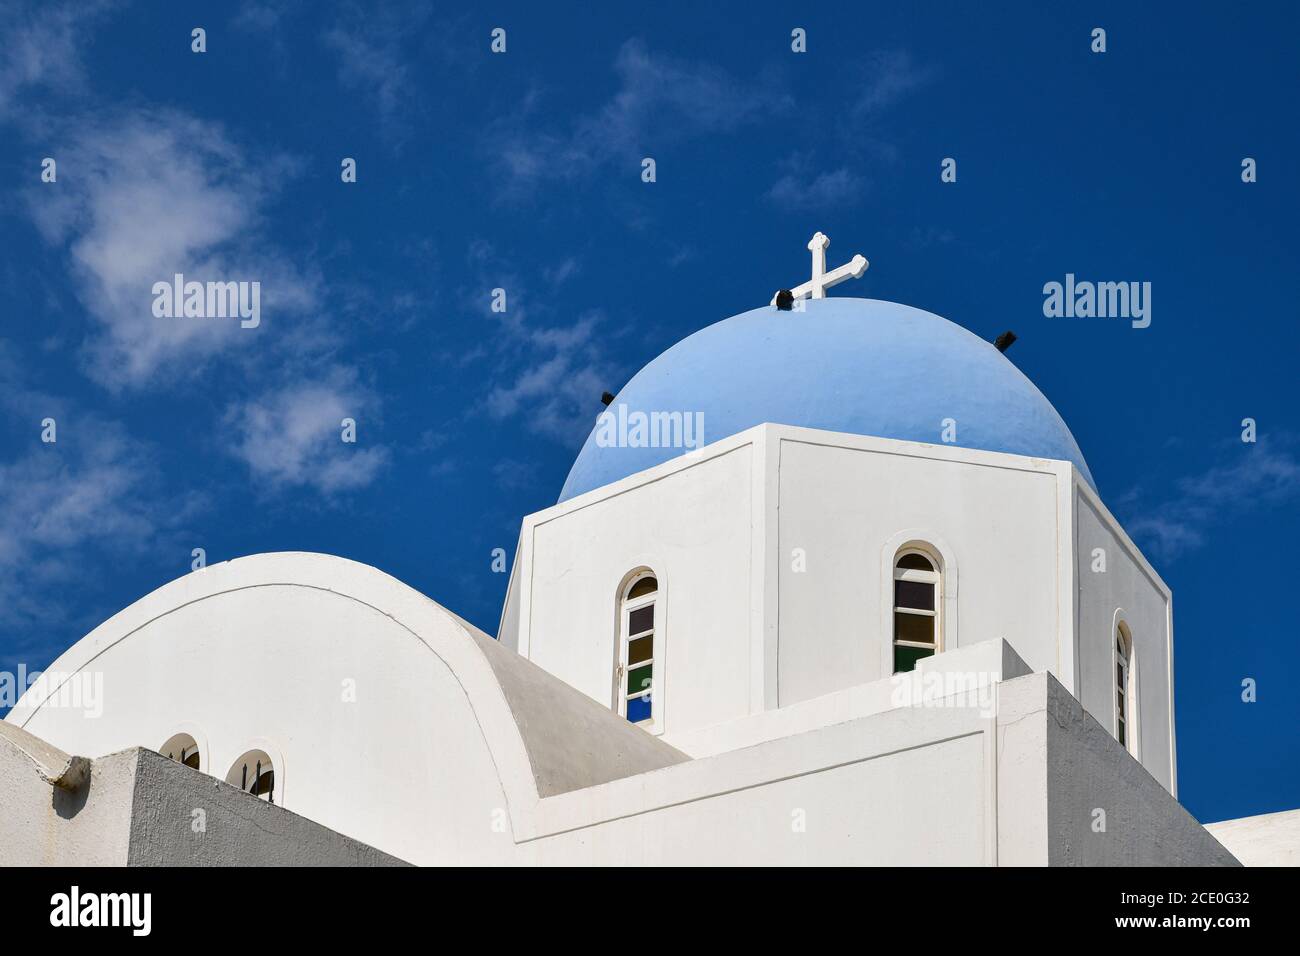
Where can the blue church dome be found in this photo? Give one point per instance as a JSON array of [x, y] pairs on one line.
[[862, 366]]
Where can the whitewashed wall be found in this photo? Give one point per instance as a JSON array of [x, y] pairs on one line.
[[745, 632], [693, 526], [255, 654], [1130, 590], [852, 508]]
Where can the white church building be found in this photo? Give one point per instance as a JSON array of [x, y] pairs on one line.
[[829, 583]]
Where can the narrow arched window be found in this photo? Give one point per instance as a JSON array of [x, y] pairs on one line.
[[183, 749], [1125, 689], [254, 773], [916, 597], [634, 676]]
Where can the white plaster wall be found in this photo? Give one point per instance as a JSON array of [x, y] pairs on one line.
[[971, 672], [843, 505], [1129, 589], [744, 631], [1087, 772], [902, 788], [943, 784], [693, 526], [869, 812], [1270, 839], [404, 768], [43, 825]]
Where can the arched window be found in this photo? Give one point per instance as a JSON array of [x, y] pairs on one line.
[[634, 675], [183, 749], [1125, 689], [917, 628], [253, 773]]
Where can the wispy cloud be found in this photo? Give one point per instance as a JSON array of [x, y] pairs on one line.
[[839, 187], [373, 46], [556, 398], [512, 475], [929, 236], [547, 372], [144, 194], [291, 436], [660, 99], [40, 46], [887, 77], [1252, 476], [92, 496], [882, 81], [560, 273], [158, 193]]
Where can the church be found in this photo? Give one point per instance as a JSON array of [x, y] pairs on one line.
[[867, 608]]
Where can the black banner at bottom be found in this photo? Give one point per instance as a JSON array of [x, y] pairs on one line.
[[343, 906]]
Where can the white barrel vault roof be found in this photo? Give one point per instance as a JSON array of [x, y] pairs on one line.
[[544, 737]]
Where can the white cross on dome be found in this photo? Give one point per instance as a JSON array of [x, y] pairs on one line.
[[821, 279]]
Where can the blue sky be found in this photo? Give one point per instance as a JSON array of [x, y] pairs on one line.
[[522, 171]]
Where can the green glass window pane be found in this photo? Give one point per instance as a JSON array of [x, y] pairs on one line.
[[642, 649], [638, 679], [642, 619], [913, 627], [905, 658], [915, 562]]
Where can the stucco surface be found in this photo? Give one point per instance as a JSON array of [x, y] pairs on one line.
[[387, 717], [42, 824], [1131, 591], [1269, 839], [1014, 780], [1087, 771], [238, 829], [572, 741], [137, 808]]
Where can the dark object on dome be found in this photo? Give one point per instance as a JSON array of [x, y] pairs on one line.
[[1005, 341], [606, 398], [785, 300]]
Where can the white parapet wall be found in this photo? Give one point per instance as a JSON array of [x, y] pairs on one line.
[[1269, 839], [966, 676], [944, 783], [137, 808]]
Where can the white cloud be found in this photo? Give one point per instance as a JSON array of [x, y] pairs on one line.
[[91, 497], [838, 188], [257, 17], [291, 436], [512, 475], [371, 62], [547, 377], [141, 198], [1259, 475], [41, 44], [883, 79], [557, 398], [381, 55], [562, 272], [675, 98], [888, 76]]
